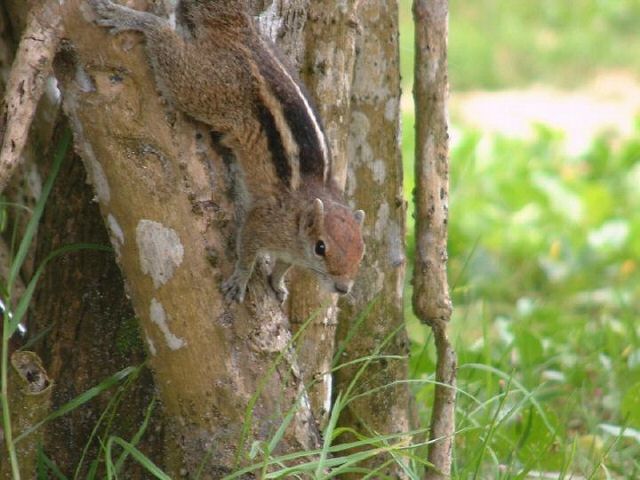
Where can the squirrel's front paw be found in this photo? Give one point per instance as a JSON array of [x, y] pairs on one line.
[[279, 288], [235, 287], [115, 17]]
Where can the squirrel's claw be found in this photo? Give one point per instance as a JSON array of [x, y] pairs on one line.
[[105, 11], [118, 18], [235, 287], [108, 16], [280, 289]]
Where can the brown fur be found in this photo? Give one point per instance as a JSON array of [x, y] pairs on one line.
[[345, 246], [225, 75]]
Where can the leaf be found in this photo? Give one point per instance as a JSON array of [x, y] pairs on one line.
[[530, 348], [630, 406]]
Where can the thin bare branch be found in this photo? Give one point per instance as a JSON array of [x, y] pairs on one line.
[[25, 86], [431, 299], [444, 404]]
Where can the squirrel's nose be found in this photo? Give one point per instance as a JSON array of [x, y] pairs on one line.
[[342, 288]]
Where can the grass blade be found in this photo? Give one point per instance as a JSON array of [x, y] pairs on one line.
[[82, 399], [138, 435], [45, 465], [137, 455], [32, 226], [25, 300]]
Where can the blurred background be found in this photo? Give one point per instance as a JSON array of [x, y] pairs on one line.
[[544, 236]]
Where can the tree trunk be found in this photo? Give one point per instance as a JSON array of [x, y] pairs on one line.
[[80, 313], [163, 193], [372, 320], [327, 68], [225, 374], [92, 331], [30, 394]]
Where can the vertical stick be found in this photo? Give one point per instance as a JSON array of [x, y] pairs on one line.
[[431, 299]]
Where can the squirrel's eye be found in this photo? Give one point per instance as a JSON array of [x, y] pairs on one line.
[[320, 248]]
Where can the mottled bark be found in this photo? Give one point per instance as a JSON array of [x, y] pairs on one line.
[[431, 300], [165, 196], [80, 304], [91, 329], [26, 83], [375, 184], [163, 193], [327, 70], [29, 395], [431, 291]]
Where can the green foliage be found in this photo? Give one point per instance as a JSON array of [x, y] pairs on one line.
[[543, 262], [500, 43], [544, 265]]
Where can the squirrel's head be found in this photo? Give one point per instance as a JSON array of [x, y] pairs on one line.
[[333, 247]]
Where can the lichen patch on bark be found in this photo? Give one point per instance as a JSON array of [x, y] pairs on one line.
[[96, 175], [327, 378], [152, 346], [391, 109], [117, 235], [159, 317], [160, 249], [379, 171], [382, 219]]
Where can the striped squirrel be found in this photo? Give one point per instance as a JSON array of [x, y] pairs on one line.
[[223, 73]]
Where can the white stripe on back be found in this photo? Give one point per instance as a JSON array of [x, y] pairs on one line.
[[310, 113]]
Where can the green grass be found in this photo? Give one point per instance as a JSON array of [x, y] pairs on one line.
[[543, 253], [546, 284]]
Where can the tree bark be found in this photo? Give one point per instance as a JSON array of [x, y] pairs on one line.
[[372, 319], [91, 330], [431, 300], [226, 375], [29, 394], [80, 305], [162, 192], [26, 83], [327, 69]]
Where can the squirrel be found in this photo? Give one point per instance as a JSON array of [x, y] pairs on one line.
[[221, 72]]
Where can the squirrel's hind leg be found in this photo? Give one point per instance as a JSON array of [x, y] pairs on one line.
[[248, 246]]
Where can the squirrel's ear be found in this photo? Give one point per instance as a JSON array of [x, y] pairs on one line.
[[318, 213], [318, 210], [359, 216], [313, 216]]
